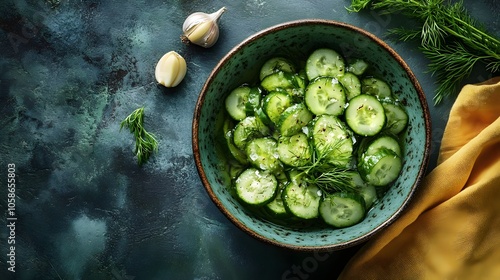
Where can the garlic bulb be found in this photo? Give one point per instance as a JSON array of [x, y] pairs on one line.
[[170, 69], [202, 28]]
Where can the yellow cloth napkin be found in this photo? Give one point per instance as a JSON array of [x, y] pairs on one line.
[[452, 228]]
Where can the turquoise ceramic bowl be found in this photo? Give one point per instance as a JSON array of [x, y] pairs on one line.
[[299, 38]]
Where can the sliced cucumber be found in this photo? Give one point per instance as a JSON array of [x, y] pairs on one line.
[[294, 150], [325, 95], [262, 116], [397, 119], [369, 194], [332, 140], [370, 146], [324, 63], [342, 209], [281, 175], [295, 176], [367, 191], [253, 102], [237, 154], [365, 115], [293, 126], [293, 119], [300, 80], [298, 91], [278, 80], [275, 103], [302, 200], [235, 170], [277, 206], [248, 129], [263, 154], [274, 65], [297, 94], [381, 168], [256, 187], [236, 102], [358, 67], [376, 87], [351, 84]]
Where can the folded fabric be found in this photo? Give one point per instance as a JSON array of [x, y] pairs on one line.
[[451, 230]]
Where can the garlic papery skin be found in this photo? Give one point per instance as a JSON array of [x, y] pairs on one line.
[[170, 69], [202, 29]]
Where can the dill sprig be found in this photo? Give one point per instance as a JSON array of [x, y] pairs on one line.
[[322, 173], [336, 179], [145, 142], [450, 38]]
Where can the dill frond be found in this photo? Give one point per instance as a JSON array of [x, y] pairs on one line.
[[451, 64], [322, 173], [358, 5], [452, 40], [145, 142], [405, 34]]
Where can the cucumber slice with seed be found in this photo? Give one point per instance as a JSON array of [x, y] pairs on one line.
[[294, 150], [371, 146], [367, 191], [237, 154], [274, 65], [332, 140], [247, 129], [262, 153], [325, 95], [342, 209], [358, 67], [278, 80], [351, 84], [256, 187], [277, 206], [293, 119], [324, 62], [376, 87], [381, 168], [302, 200], [236, 102], [275, 103], [365, 115], [397, 119]]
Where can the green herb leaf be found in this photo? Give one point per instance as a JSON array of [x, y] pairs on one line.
[[358, 5], [325, 175], [452, 40], [145, 142]]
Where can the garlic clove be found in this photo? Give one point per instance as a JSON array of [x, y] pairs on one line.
[[202, 29], [205, 34], [170, 69]]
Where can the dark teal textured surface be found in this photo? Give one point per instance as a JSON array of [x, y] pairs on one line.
[[70, 71]]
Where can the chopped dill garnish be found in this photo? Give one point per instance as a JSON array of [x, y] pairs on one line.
[[321, 172]]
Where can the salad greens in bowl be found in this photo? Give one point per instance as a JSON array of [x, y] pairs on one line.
[[311, 135]]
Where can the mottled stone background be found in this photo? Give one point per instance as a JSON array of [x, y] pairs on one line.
[[70, 71]]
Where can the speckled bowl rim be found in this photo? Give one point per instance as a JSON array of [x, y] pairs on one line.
[[285, 25]]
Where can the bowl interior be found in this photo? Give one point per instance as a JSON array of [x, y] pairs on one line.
[[296, 40]]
